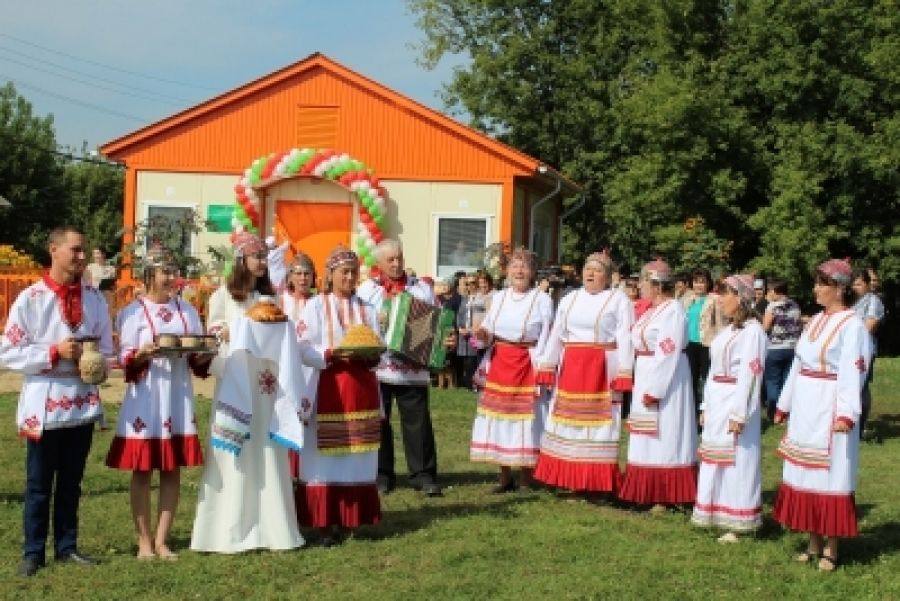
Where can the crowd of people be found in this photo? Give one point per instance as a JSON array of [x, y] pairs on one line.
[[301, 436]]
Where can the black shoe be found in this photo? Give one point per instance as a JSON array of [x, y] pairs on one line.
[[385, 485], [432, 489], [77, 558], [427, 485], [504, 488], [30, 566]]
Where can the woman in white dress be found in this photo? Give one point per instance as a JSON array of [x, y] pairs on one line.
[[591, 345], [156, 427], [301, 279], [821, 403], [729, 484], [245, 501], [511, 412], [342, 413], [662, 443]]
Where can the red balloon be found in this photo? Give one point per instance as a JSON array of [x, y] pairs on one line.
[[365, 218], [374, 181], [378, 236]]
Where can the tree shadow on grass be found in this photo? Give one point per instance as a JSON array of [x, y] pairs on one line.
[[885, 426], [12, 497], [872, 544], [407, 520]]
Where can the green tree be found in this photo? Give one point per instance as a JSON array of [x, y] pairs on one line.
[[95, 191], [31, 176]]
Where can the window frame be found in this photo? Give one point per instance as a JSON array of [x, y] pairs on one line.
[[489, 226]]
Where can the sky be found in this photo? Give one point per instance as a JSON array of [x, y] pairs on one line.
[[105, 68]]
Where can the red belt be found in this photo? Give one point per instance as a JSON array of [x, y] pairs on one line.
[[723, 379], [822, 375], [606, 346]]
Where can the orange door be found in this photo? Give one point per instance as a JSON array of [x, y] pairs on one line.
[[313, 227]]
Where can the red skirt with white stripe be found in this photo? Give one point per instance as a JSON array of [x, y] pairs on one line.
[[817, 513], [337, 504], [644, 485], [146, 454]]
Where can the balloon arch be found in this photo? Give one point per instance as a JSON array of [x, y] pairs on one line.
[[331, 165]]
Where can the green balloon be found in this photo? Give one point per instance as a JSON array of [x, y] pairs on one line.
[[370, 261], [239, 211]]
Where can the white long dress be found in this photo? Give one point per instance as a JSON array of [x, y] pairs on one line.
[[662, 444], [580, 451], [156, 428], [511, 412], [245, 501], [823, 387], [729, 483], [337, 477]]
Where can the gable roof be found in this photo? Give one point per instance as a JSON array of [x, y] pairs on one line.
[[120, 147]]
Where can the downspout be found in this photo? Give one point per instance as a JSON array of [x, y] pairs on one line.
[[563, 217], [543, 170]]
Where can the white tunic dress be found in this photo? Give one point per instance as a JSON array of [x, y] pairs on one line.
[[604, 318], [245, 501], [662, 444], [729, 485], [156, 428], [823, 387], [499, 437], [53, 395]]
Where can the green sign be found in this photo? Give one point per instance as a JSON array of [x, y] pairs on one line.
[[219, 217]]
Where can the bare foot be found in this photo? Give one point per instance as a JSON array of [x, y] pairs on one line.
[[145, 554], [728, 537]]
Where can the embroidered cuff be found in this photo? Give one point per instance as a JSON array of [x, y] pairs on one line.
[[545, 377], [781, 414], [846, 421], [650, 400], [621, 384], [54, 355], [134, 370]]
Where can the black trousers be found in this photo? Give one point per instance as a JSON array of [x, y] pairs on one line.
[[416, 429], [698, 360], [58, 456]]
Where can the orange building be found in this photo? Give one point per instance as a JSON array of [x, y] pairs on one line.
[[449, 189]]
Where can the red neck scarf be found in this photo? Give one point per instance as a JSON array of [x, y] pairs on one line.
[[393, 287], [69, 296]]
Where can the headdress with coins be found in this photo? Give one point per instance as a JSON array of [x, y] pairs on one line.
[[742, 284], [657, 271], [245, 244], [838, 270], [340, 255]]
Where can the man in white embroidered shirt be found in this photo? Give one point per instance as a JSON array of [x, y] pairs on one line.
[[404, 381], [57, 410]]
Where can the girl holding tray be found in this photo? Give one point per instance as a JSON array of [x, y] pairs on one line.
[[156, 428], [510, 416], [342, 414]]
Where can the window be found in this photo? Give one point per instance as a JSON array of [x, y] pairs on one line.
[[459, 243], [169, 220]]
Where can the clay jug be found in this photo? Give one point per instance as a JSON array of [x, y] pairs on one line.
[[92, 364]]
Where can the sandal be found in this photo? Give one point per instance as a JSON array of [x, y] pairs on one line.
[[806, 557], [827, 564]]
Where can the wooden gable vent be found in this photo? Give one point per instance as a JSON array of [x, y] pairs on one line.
[[317, 126]]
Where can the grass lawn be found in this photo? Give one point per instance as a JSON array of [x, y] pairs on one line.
[[471, 544]]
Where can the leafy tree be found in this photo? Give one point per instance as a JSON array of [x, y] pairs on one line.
[[775, 123], [31, 176], [95, 192]]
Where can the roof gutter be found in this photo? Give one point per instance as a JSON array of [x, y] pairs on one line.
[[543, 170], [563, 217]]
